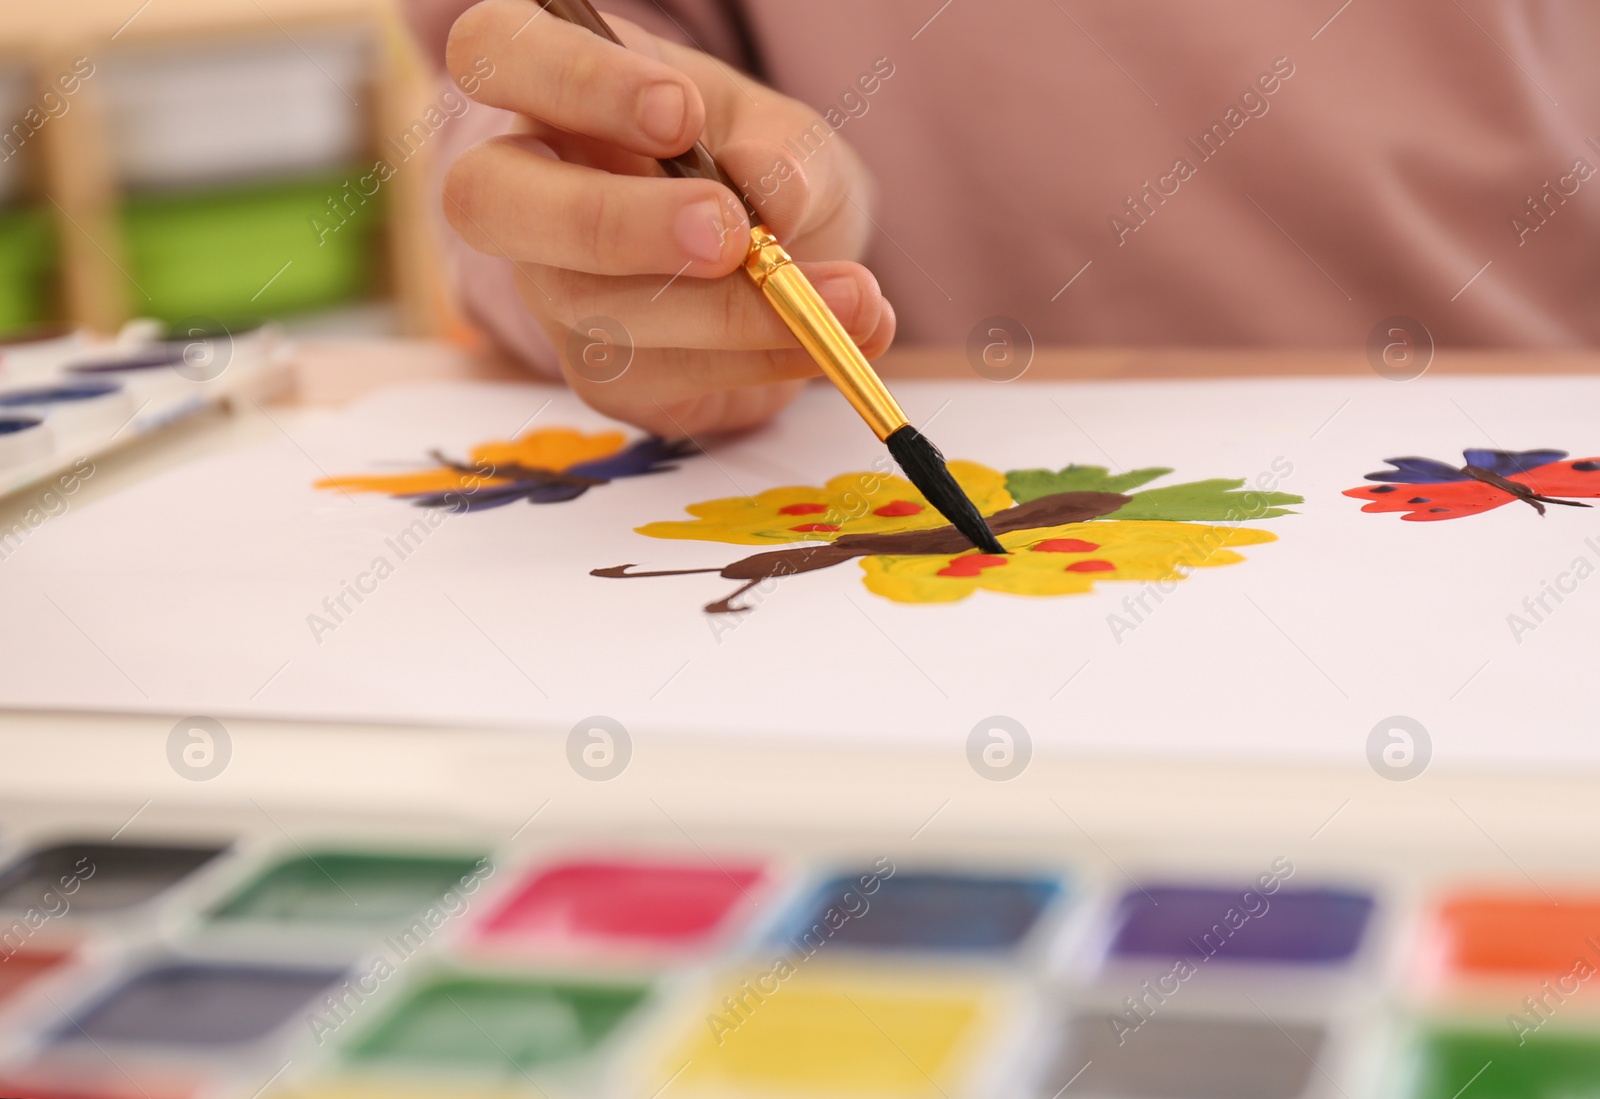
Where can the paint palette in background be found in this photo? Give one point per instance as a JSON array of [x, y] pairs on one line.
[[193, 1004], [624, 907], [23, 967], [375, 891], [956, 913], [476, 1021], [1495, 1064], [1492, 937], [832, 1030], [97, 877], [1512, 975], [340, 970], [1195, 1057], [66, 400], [92, 1086], [1307, 926]]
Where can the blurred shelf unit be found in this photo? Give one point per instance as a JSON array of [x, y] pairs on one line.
[[211, 164], [28, 254]]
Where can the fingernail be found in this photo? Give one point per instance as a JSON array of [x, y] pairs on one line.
[[702, 230], [843, 295], [661, 110]]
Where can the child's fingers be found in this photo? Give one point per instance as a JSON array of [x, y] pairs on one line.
[[569, 77], [726, 314], [664, 375], [778, 150], [700, 416], [705, 414], [504, 197], [599, 233]]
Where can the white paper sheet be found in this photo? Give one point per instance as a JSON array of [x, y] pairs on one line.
[[194, 593]]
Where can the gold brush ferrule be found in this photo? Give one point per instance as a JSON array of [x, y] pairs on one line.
[[820, 332]]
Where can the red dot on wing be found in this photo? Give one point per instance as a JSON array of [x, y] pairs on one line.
[[1091, 565], [896, 508], [1065, 545], [803, 509], [814, 528], [971, 564]]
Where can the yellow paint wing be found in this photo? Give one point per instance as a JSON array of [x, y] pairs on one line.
[[852, 503], [1063, 560]]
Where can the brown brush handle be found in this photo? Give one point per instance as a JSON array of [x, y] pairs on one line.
[[697, 163]]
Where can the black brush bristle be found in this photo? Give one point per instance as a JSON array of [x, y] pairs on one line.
[[924, 467]]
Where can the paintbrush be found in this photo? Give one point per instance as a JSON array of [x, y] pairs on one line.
[[802, 309]]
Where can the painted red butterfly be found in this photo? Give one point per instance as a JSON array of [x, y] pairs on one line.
[[1488, 479]]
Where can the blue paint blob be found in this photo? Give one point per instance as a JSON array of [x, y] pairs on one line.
[[196, 1004], [921, 911], [57, 394], [11, 425], [1322, 926]]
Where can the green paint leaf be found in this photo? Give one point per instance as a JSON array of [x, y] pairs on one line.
[[1030, 484], [1206, 501]]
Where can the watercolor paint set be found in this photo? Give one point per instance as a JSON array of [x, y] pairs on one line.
[[68, 399], [270, 959]]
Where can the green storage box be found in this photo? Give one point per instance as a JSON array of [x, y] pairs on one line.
[[248, 254], [27, 269]]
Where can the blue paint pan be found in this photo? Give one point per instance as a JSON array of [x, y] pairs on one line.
[[197, 1004], [961, 913]]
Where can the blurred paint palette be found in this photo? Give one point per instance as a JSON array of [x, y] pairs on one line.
[[286, 960], [68, 399]]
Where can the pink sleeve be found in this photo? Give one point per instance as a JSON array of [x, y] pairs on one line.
[[484, 286]]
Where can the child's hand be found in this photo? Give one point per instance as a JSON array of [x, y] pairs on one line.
[[600, 233]]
